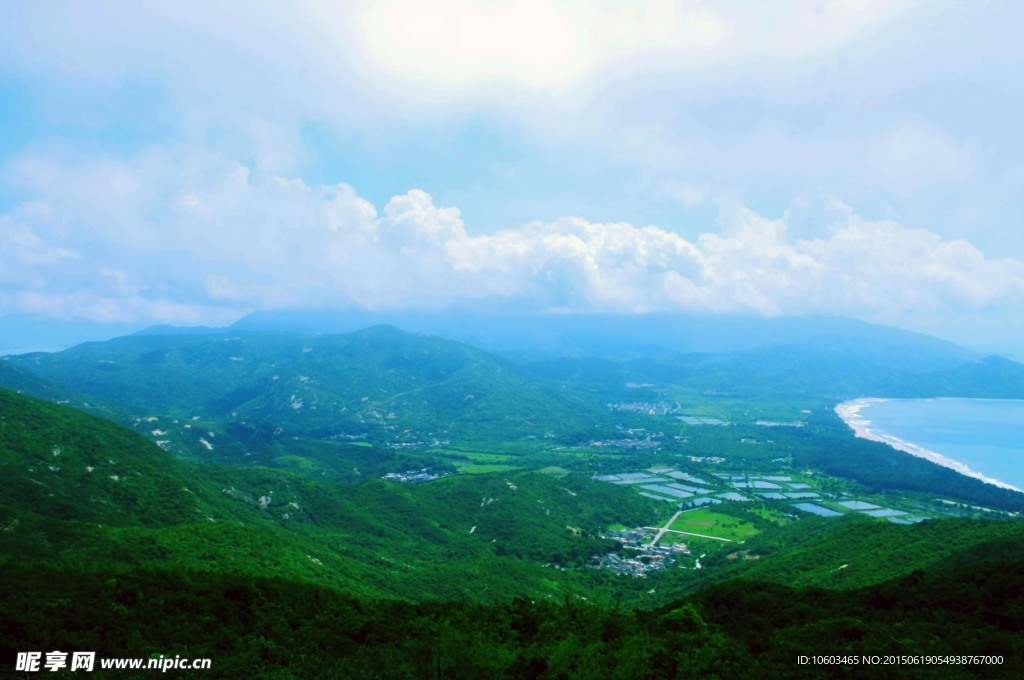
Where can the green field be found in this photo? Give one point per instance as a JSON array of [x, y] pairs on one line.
[[474, 457], [474, 469], [711, 523]]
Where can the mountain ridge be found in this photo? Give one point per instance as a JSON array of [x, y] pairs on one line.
[[534, 337]]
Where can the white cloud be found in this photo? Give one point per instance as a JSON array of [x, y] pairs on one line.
[[574, 263], [21, 246], [208, 234], [412, 220]]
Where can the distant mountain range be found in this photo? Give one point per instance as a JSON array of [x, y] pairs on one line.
[[621, 337], [834, 358], [293, 371], [832, 349]]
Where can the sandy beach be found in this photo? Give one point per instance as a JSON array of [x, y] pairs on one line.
[[850, 412]]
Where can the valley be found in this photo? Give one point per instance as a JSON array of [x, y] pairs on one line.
[[420, 474]]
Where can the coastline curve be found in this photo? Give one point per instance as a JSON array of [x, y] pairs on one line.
[[850, 413]]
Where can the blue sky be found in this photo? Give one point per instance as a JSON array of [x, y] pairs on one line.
[[190, 162]]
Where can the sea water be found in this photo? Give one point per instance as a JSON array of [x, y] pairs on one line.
[[985, 435]]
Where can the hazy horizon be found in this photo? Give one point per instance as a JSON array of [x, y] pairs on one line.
[[19, 335]]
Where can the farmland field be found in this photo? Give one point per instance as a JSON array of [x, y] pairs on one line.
[[711, 523]]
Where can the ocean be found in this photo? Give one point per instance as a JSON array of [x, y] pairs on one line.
[[980, 437]]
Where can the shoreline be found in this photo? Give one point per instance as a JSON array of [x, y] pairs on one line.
[[850, 413]]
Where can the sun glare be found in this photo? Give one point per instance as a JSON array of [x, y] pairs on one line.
[[535, 43]]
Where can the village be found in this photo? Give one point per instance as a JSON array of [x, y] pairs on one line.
[[424, 475], [645, 554]]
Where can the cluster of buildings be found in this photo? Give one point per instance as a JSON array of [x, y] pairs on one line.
[[643, 556], [635, 438], [624, 443], [424, 475], [418, 445], [653, 408]]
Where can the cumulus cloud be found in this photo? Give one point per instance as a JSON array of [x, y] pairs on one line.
[[573, 263], [185, 234], [413, 221]]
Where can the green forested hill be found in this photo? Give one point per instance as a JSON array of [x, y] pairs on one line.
[[82, 489], [278, 575], [380, 383], [79, 489], [857, 551], [60, 463], [341, 407]]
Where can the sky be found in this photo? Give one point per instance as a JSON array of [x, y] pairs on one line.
[[191, 162]]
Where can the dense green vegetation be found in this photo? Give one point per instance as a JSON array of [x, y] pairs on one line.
[[857, 551], [287, 579], [84, 490], [242, 514], [379, 383], [273, 628], [342, 408]]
